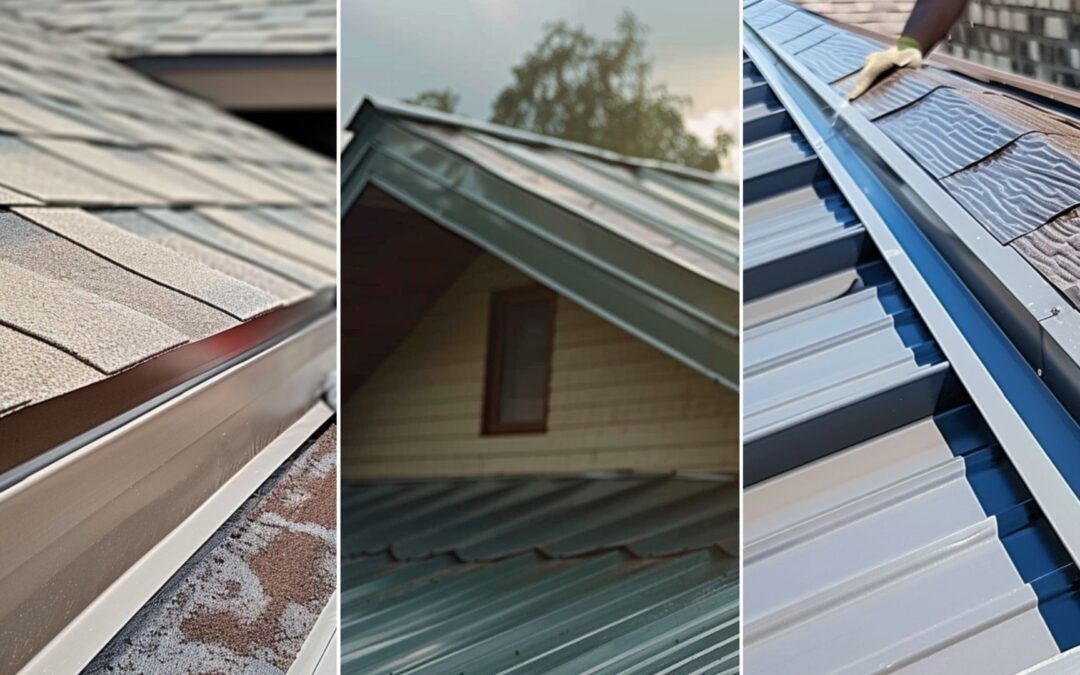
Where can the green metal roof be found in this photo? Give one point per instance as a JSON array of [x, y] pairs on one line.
[[599, 573], [650, 246]]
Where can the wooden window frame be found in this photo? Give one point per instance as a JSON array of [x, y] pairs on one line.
[[493, 376]]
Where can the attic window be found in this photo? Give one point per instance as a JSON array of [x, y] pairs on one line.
[[520, 336]]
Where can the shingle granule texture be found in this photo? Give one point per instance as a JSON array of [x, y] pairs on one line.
[[150, 260], [136, 169], [32, 171], [126, 28], [247, 600], [101, 333], [35, 370], [85, 295], [139, 223], [274, 237], [196, 226], [42, 252]]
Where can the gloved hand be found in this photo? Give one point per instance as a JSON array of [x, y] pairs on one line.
[[902, 56]]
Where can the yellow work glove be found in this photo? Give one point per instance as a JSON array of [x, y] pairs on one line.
[[879, 63]]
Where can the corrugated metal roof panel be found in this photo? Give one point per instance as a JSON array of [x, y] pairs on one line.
[[948, 561], [611, 573], [650, 246]]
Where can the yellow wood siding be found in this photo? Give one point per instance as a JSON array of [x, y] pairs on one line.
[[615, 402]]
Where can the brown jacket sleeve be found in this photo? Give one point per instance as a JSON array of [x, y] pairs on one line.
[[931, 21]]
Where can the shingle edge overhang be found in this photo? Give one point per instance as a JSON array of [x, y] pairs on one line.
[[663, 303], [40, 434], [1032, 425]]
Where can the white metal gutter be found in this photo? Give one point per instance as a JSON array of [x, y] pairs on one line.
[[125, 511]]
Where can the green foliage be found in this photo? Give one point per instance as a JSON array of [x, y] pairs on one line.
[[444, 100], [581, 88], [723, 141]]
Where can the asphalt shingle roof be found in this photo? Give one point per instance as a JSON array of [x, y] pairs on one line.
[[134, 219], [128, 28]]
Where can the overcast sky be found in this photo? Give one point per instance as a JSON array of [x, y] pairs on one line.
[[397, 48]]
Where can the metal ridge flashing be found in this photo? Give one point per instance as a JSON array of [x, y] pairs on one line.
[[34, 437], [1042, 324], [420, 114], [1034, 429]]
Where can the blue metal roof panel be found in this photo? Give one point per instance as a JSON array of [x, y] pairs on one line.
[[949, 559], [608, 574]]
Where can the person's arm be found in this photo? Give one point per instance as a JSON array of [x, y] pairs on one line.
[[929, 23]]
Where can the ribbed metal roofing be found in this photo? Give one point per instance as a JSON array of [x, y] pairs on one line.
[[611, 574], [886, 527], [651, 246]]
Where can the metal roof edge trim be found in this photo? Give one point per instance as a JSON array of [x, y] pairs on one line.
[[715, 358], [1033, 314], [202, 438], [420, 114], [89, 632], [1020, 299], [730, 265], [48, 431], [1067, 663], [942, 308], [368, 142], [319, 652]]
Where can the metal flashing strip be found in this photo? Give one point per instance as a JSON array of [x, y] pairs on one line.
[[36, 436], [1042, 324], [1031, 425], [421, 114], [74, 647], [1062, 664], [683, 313], [148, 477], [320, 651]]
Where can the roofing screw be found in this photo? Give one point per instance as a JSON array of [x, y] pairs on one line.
[[1039, 372], [1055, 311]]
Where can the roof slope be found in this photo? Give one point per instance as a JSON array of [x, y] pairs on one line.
[[650, 246], [547, 574], [130, 28], [1012, 164], [860, 436], [135, 220]]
